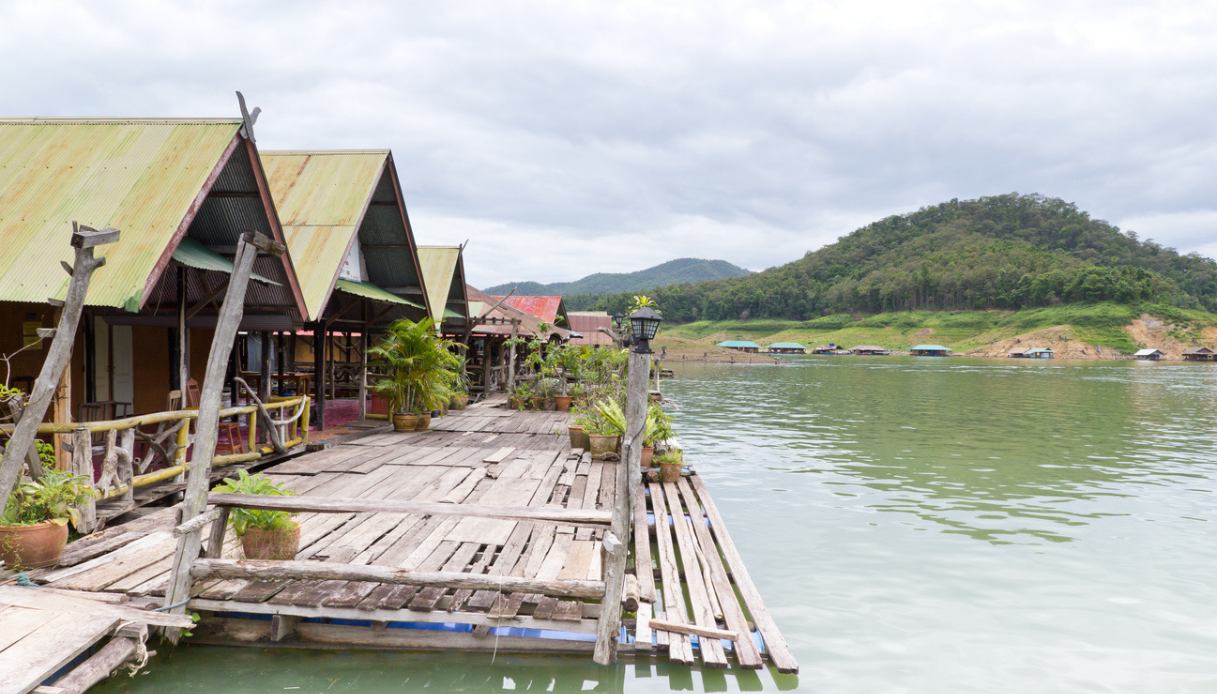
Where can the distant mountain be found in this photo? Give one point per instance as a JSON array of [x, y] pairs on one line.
[[1000, 252], [679, 271]]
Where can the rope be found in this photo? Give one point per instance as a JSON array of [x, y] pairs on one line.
[[139, 659], [174, 606]]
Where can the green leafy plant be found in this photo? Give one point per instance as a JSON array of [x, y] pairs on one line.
[[55, 496], [421, 370], [671, 457], [659, 426], [259, 484], [609, 420]]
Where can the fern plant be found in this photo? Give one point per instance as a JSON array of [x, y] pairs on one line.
[[245, 518]]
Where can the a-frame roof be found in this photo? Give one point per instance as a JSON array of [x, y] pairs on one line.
[[150, 178], [444, 276], [334, 202]]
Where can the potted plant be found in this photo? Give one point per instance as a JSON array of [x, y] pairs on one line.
[[658, 429], [420, 372], [460, 389], [521, 396], [34, 520], [605, 429], [264, 534], [669, 463], [578, 431]]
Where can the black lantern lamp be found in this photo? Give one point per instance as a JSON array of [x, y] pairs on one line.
[[644, 323]]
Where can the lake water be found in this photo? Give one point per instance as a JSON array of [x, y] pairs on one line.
[[916, 525]]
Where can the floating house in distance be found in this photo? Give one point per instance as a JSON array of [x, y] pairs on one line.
[[787, 348], [1148, 354], [830, 348], [741, 345], [870, 351], [1199, 354], [1034, 353], [589, 328], [929, 351]]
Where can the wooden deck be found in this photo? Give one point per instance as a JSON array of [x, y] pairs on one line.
[[441, 488]]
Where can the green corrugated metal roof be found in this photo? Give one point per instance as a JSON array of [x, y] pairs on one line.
[[139, 176], [449, 313], [196, 255], [439, 268], [368, 290], [786, 345], [321, 198], [928, 348]]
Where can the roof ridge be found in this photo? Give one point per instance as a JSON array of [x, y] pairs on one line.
[[41, 120]]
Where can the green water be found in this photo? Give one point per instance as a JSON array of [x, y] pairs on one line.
[[916, 525]]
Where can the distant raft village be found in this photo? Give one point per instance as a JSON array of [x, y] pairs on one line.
[[265, 415]]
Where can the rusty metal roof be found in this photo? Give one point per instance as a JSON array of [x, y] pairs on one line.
[[588, 325], [545, 308], [444, 278], [331, 201], [141, 176]]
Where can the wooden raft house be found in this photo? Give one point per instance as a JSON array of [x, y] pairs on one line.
[[741, 346], [1200, 354], [929, 351], [787, 348], [870, 351], [490, 525], [1149, 354]]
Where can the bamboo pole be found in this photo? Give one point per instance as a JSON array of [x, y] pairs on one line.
[[629, 477], [84, 239], [195, 501]]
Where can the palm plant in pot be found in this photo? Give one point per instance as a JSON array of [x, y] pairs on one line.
[[658, 430], [420, 372], [34, 520], [264, 534], [604, 430], [460, 389]]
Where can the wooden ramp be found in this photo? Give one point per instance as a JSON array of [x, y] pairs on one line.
[[44, 632], [490, 522]]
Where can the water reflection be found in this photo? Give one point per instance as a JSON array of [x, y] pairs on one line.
[[1004, 453]]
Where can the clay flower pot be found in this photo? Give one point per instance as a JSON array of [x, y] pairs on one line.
[[647, 452], [406, 422], [562, 403], [280, 543], [33, 546], [669, 472], [578, 437], [602, 446], [537, 402]]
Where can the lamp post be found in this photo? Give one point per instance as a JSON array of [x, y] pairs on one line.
[[643, 324]]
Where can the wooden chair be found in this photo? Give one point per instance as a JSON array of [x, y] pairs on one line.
[[228, 431]]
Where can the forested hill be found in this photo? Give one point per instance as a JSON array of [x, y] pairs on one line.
[[681, 270], [1006, 251]]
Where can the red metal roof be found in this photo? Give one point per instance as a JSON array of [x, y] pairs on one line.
[[588, 325], [546, 308]]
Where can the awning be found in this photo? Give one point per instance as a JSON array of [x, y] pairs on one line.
[[193, 254], [367, 290], [449, 313]]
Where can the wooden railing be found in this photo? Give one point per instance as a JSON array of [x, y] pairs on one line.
[[170, 444]]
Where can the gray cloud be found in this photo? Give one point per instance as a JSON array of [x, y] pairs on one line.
[[563, 139]]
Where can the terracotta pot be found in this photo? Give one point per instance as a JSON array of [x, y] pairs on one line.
[[32, 546], [578, 437], [537, 402], [406, 422], [669, 472], [647, 452], [602, 447], [514, 403], [280, 544], [424, 422], [459, 401], [562, 403]]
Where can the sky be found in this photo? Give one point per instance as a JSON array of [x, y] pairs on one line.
[[567, 138]]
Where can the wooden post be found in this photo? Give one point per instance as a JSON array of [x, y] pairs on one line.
[[629, 477], [264, 367], [58, 356], [319, 372], [195, 501], [511, 356], [363, 374], [62, 414], [183, 335], [82, 465], [281, 344]]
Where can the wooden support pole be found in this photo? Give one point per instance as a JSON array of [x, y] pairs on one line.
[[629, 476], [122, 648], [319, 374], [264, 367], [183, 335], [82, 465], [59, 355], [249, 569], [363, 373], [195, 501], [511, 357], [281, 344]]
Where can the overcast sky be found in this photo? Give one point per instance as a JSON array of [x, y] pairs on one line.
[[566, 138]]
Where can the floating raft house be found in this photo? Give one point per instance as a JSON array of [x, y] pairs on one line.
[[741, 345], [787, 348], [929, 351]]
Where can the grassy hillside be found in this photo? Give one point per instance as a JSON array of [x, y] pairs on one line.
[[1005, 252], [1110, 326], [679, 271]]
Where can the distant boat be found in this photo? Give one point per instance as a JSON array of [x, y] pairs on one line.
[[870, 351], [787, 348], [1149, 354], [929, 351], [741, 345]]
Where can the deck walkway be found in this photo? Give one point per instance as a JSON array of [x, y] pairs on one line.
[[442, 486]]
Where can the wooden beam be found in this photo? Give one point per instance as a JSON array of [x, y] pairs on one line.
[[312, 504], [334, 571], [693, 629]]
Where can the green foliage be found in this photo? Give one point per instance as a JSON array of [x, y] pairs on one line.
[[260, 484], [1000, 252], [659, 426], [674, 456], [610, 420], [581, 293], [54, 497], [422, 370]]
